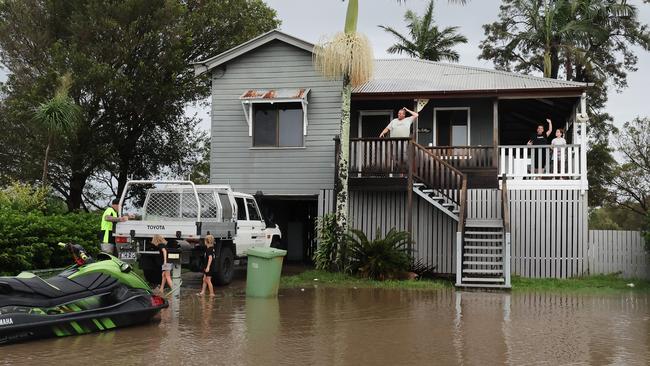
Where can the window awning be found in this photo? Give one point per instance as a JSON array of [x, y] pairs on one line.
[[280, 95]]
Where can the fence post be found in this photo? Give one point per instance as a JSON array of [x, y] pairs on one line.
[[411, 165]]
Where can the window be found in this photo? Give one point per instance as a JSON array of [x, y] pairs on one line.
[[452, 126], [253, 213], [277, 125], [226, 207], [241, 208]]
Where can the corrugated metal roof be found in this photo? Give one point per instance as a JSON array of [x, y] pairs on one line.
[[275, 94], [413, 75]]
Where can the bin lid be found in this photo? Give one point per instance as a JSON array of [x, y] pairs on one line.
[[265, 252]]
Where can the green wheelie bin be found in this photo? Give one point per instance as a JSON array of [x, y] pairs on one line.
[[263, 272]]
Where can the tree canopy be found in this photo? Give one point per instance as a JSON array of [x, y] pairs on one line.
[[130, 65], [580, 40], [425, 40]]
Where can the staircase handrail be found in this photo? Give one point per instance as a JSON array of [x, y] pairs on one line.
[[505, 204], [460, 175], [463, 207]]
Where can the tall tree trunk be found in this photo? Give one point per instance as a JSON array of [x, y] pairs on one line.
[[342, 178], [47, 153], [77, 184], [122, 177]]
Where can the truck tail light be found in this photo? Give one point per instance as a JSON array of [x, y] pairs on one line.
[[121, 239]]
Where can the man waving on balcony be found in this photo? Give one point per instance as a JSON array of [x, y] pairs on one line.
[[538, 155], [400, 127]]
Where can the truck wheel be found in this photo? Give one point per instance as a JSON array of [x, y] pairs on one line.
[[225, 268]]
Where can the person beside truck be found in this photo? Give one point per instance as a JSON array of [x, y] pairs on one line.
[[109, 217]]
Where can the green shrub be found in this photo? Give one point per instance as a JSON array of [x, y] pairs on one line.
[[379, 259], [31, 226], [325, 256]]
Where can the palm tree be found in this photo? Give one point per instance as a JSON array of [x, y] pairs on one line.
[[347, 56], [58, 115], [426, 41]]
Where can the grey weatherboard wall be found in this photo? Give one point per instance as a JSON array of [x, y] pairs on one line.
[[274, 171]]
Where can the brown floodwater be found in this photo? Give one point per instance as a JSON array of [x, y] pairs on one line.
[[321, 326]]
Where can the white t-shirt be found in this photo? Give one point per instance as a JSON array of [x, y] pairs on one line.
[[557, 142], [401, 128]]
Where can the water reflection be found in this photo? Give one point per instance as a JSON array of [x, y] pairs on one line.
[[352, 327]]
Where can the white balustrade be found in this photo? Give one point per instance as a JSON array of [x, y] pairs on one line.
[[541, 161]]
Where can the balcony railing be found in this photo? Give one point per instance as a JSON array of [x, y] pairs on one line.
[[566, 164], [465, 157], [541, 161], [378, 157]]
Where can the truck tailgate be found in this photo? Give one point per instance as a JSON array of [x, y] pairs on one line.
[[148, 229]]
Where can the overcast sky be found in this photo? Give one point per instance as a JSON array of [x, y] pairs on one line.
[[312, 19]]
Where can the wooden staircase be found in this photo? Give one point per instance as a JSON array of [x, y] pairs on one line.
[[438, 183], [482, 245], [483, 250]]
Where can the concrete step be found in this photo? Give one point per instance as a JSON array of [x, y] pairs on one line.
[[481, 240], [495, 233], [476, 223], [482, 247], [483, 279], [483, 255], [482, 285], [483, 271], [480, 263]]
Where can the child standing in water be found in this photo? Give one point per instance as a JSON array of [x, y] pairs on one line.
[[159, 242], [208, 263]]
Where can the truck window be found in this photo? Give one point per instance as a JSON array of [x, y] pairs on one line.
[[241, 208], [253, 212], [227, 207]]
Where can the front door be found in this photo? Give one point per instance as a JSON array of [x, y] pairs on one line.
[[371, 123]]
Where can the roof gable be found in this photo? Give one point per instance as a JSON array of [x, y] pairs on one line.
[[203, 66]]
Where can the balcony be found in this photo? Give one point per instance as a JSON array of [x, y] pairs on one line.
[[383, 164]]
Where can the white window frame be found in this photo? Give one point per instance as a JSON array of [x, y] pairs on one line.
[[247, 105], [249, 120], [435, 123], [374, 112]]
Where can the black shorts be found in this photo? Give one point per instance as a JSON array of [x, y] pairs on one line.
[[539, 162]]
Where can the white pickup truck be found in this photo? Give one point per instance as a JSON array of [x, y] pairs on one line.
[[184, 213]]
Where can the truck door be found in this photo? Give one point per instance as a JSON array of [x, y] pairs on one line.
[[257, 224], [244, 239]]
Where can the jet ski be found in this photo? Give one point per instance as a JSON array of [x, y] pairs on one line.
[[90, 296]]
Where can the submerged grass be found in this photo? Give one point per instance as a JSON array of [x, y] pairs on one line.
[[591, 284], [341, 280], [597, 283]]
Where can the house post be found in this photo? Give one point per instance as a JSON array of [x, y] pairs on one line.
[[581, 128], [495, 133], [409, 208], [337, 157]]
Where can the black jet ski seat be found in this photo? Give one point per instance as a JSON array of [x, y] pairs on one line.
[[27, 289]]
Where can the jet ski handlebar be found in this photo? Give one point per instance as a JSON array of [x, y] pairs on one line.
[[78, 253]]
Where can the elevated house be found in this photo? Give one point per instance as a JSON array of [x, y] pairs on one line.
[[478, 200]]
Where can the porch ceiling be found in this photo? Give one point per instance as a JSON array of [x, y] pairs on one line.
[[518, 117]]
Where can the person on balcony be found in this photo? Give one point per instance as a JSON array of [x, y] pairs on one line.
[[400, 127], [540, 138], [559, 155]]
